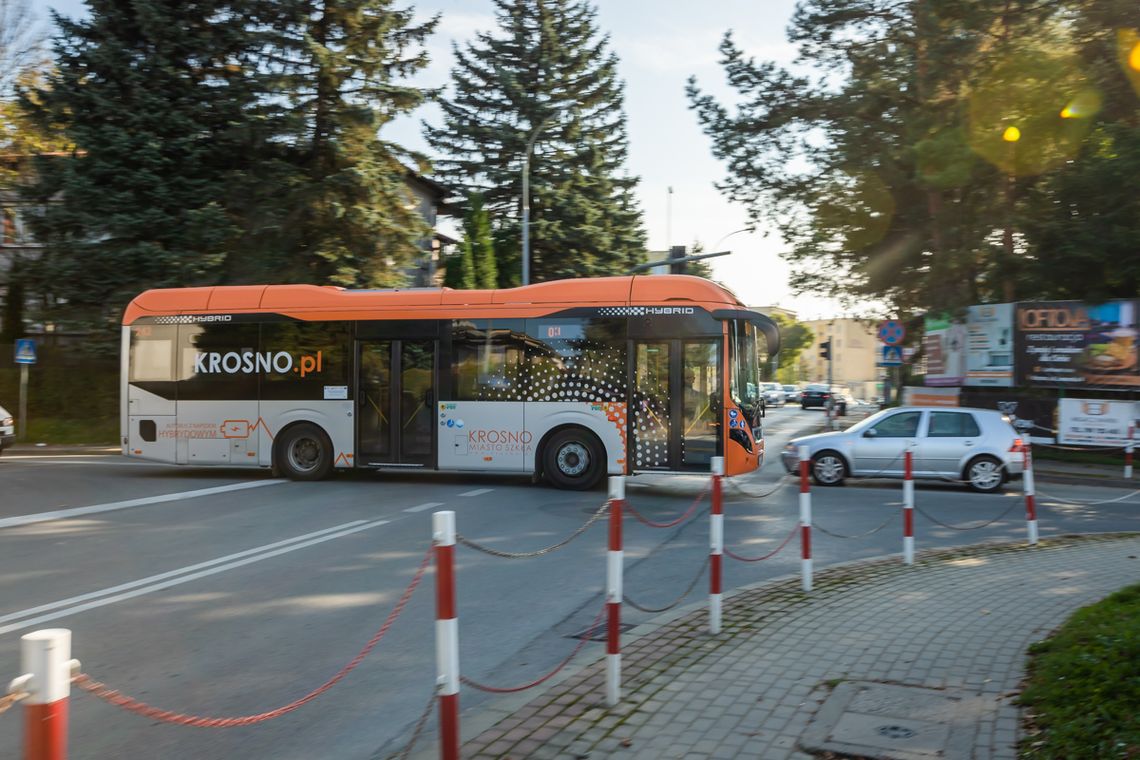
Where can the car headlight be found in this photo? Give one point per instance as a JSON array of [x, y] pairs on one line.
[[790, 448], [7, 421]]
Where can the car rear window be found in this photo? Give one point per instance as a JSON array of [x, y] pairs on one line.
[[953, 425]]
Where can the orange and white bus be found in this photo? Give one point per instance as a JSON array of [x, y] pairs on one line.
[[567, 380]]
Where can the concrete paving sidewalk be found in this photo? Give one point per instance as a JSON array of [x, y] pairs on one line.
[[879, 660]]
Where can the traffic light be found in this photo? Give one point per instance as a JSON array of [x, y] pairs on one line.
[[825, 350]]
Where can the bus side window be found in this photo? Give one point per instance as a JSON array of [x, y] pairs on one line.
[[488, 360]]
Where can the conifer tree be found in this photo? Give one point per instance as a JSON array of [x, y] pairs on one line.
[[459, 272], [546, 75], [351, 219], [477, 229], [158, 106]]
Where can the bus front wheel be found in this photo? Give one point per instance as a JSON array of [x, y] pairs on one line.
[[304, 452], [574, 459]]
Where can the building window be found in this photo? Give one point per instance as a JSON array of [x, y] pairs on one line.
[[9, 234]]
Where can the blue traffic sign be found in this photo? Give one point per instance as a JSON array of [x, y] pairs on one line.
[[892, 356], [25, 351], [892, 332]]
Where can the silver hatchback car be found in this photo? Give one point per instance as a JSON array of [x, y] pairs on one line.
[[977, 446]]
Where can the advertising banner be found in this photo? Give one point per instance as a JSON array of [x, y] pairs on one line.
[[1096, 422], [1035, 418], [989, 345], [1074, 345], [930, 396], [944, 344]]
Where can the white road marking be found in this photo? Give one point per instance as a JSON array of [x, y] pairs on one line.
[[64, 514], [170, 574], [422, 507], [184, 575], [477, 492]]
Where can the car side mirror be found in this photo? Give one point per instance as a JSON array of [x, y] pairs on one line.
[[870, 433]]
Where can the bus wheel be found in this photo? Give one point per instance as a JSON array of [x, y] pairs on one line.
[[574, 459], [304, 452]]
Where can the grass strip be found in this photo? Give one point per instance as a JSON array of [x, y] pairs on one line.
[[1082, 697]]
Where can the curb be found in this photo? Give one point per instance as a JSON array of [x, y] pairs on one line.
[[494, 711], [63, 448]]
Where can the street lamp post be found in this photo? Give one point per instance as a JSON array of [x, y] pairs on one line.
[[526, 200]]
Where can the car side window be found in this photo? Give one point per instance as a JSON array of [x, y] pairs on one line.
[[901, 425], [952, 425]]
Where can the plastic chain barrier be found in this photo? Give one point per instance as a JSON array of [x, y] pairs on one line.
[[936, 521], [785, 480], [1086, 503], [91, 686], [538, 552], [513, 689], [700, 572], [815, 524], [769, 555], [418, 730], [672, 523], [8, 701]]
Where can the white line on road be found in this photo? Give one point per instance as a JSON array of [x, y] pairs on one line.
[[170, 574], [422, 507], [258, 554], [477, 492], [64, 514]]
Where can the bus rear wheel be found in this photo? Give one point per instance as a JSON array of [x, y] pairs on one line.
[[304, 452], [574, 459]]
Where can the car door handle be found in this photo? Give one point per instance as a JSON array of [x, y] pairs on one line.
[[969, 443]]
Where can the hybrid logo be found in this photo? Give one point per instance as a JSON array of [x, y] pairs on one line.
[[248, 362]]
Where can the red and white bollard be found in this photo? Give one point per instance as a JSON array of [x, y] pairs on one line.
[[614, 560], [1128, 452], [446, 634], [908, 507], [805, 518], [45, 657], [716, 546], [1030, 496]]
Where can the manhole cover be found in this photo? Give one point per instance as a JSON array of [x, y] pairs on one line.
[[895, 732], [599, 633]]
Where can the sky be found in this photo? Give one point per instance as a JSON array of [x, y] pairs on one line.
[[659, 44]]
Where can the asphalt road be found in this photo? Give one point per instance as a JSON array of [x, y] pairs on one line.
[[225, 593]]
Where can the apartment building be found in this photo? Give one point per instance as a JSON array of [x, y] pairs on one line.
[[854, 353]]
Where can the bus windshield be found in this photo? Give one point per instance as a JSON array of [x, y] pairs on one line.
[[745, 384]]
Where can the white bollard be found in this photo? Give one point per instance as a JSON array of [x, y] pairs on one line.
[[446, 634], [1128, 445], [614, 560], [805, 519], [46, 657], [716, 547], [908, 507]]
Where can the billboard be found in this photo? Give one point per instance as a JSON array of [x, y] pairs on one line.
[[1034, 417], [989, 345], [1069, 344], [1096, 422], [944, 344]]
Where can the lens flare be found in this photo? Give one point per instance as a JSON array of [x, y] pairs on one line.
[[1134, 57], [1011, 134]]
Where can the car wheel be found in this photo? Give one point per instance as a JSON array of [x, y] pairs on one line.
[[828, 469], [305, 452], [574, 459], [985, 474], [803, 406]]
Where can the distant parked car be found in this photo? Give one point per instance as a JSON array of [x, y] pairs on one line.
[[7, 429], [979, 446], [815, 395], [792, 394], [773, 394]]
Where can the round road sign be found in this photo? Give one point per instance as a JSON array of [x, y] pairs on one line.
[[891, 332]]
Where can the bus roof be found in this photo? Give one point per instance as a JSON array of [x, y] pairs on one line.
[[313, 302]]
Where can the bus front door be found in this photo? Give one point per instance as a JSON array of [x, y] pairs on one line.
[[676, 404], [395, 403]]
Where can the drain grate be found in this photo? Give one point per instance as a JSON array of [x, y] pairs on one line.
[[599, 633], [895, 732]]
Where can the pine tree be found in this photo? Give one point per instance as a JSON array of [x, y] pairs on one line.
[[459, 270], [158, 105], [477, 229], [548, 76], [351, 220]]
